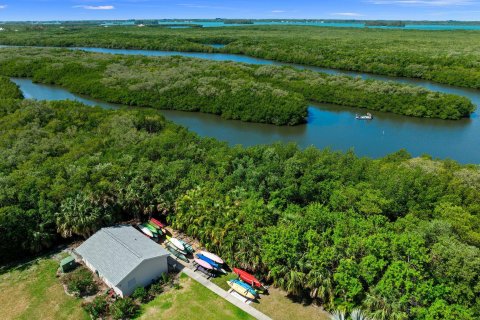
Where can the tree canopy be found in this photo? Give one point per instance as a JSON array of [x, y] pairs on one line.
[[396, 236], [267, 94], [430, 55]]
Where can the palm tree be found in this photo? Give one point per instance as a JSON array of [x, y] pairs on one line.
[[382, 309], [295, 282], [356, 314], [79, 216], [337, 315]]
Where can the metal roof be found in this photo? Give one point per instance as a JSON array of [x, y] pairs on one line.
[[116, 251]]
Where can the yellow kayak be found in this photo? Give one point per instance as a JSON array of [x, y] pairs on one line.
[[241, 290]]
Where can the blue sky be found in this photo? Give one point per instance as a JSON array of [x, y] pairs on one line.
[[310, 9]]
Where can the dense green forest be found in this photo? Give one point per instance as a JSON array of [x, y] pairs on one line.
[[269, 94], [430, 55], [398, 237], [9, 90]]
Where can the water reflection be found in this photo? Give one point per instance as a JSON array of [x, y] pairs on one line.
[[328, 126]]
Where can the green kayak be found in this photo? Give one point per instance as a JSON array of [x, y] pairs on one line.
[[149, 227], [176, 253], [188, 248], [157, 229]]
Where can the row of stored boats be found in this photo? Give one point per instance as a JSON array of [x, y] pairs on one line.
[[247, 285], [154, 229]]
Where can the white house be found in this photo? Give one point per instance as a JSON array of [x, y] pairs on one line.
[[123, 258]]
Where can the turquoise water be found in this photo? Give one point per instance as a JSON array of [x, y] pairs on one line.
[[216, 45], [213, 24]]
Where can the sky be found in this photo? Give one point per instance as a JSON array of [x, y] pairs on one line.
[[16, 10]]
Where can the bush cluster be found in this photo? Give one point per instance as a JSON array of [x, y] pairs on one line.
[[80, 282]]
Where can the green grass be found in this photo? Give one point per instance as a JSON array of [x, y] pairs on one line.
[[222, 281], [34, 292], [192, 301], [277, 304]]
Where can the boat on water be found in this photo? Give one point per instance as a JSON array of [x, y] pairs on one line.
[[240, 289], [367, 116], [212, 256], [250, 279]]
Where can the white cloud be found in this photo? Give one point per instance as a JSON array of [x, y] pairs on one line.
[[3, 6], [347, 14], [96, 7], [278, 11], [429, 3]]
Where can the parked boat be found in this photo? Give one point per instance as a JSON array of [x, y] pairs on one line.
[[157, 228], [177, 254], [187, 246], [248, 278], [145, 230], [247, 287], [176, 243], [149, 227], [215, 265], [212, 256], [158, 223], [368, 116], [204, 264], [240, 290], [207, 272]]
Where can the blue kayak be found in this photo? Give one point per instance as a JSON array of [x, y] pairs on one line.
[[246, 286], [210, 261]]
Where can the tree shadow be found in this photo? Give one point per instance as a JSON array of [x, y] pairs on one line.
[[28, 262]]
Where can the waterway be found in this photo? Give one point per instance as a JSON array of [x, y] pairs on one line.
[[472, 94], [328, 126], [216, 24]]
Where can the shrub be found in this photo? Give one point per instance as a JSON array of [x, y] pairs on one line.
[[140, 294], [165, 278], [123, 309], [80, 282], [98, 308], [155, 289]]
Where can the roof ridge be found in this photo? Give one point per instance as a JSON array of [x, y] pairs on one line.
[[138, 255]]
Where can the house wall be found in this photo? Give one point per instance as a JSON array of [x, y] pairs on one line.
[[105, 280], [143, 275]]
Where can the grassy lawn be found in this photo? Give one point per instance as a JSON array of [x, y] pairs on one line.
[[277, 305], [192, 301], [34, 292]]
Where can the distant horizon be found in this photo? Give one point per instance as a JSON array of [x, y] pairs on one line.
[[251, 19], [85, 10]]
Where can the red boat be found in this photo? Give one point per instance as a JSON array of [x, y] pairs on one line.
[[248, 278], [158, 223]]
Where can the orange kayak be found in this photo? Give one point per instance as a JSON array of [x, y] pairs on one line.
[[248, 278], [158, 223]]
